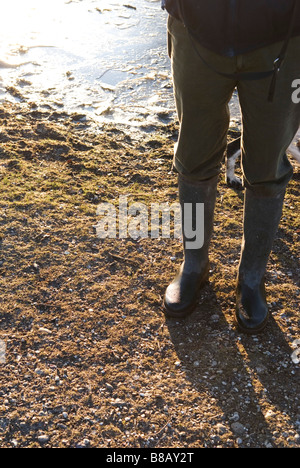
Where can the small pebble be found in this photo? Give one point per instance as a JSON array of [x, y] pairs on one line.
[[43, 439], [238, 428], [83, 444]]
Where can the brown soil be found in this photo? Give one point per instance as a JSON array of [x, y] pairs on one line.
[[90, 359]]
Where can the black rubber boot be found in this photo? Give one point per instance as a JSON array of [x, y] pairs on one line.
[[261, 219], [182, 294]]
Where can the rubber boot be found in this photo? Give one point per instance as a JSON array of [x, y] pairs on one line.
[[261, 219], [182, 294]]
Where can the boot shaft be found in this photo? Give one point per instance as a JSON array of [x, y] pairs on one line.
[[261, 219], [197, 200]]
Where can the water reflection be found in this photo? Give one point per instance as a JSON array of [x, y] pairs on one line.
[[102, 58]]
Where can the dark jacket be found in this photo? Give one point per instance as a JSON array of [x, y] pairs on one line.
[[231, 27]]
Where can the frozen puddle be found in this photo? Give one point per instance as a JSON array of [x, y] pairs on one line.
[[101, 58], [104, 58]]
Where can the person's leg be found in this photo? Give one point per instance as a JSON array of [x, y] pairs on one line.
[[202, 98], [268, 129]]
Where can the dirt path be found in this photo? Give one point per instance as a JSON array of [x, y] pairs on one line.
[[90, 360]]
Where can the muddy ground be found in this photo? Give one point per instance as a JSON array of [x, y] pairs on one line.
[[88, 358]]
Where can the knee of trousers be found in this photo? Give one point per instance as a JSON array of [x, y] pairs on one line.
[[270, 188], [198, 169]]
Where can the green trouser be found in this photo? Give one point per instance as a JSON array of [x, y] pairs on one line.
[[202, 99]]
